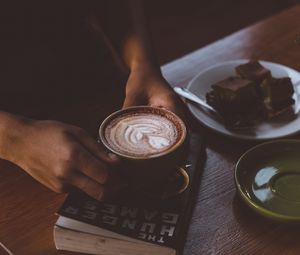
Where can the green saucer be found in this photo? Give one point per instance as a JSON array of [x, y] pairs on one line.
[[268, 179]]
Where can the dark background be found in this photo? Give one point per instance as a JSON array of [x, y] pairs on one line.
[[49, 59], [179, 27]]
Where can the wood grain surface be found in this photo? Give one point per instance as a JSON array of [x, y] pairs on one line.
[[221, 224]]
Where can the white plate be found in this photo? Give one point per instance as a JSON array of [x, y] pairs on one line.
[[279, 126]]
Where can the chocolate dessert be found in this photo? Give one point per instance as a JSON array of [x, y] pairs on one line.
[[251, 96], [253, 71], [277, 95], [235, 99]]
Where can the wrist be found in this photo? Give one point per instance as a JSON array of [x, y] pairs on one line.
[[11, 132], [145, 68]]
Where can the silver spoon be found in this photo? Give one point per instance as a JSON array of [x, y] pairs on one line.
[[192, 97]]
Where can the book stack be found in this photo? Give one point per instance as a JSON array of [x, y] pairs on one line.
[[135, 222]]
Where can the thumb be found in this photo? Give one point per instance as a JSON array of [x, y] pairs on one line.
[[176, 106], [133, 100], [94, 147]]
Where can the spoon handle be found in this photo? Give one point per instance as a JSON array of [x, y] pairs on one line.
[[192, 97]]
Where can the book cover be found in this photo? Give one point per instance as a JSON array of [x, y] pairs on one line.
[[160, 218]]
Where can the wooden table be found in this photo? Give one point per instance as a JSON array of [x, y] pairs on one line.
[[221, 223]]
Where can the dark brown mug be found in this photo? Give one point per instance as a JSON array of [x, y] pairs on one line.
[[150, 167]]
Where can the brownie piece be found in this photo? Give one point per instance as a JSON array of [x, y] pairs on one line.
[[253, 71], [233, 92], [277, 94], [234, 98]]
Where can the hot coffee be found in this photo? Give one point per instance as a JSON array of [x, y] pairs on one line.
[[146, 132], [149, 140]]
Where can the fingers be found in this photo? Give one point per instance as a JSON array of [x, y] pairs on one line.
[[87, 185], [96, 190], [91, 173], [133, 100], [171, 103], [97, 171], [129, 101], [92, 167], [95, 148]]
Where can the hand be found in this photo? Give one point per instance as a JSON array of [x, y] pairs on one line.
[[150, 88], [61, 156]]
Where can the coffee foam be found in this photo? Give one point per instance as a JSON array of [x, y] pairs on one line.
[[141, 134]]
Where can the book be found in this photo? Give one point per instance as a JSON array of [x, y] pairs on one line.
[[135, 222]]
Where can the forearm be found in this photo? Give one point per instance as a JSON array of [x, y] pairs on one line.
[[137, 49], [10, 134], [127, 29]]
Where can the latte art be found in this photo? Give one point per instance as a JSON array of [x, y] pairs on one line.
[[141, 134]]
